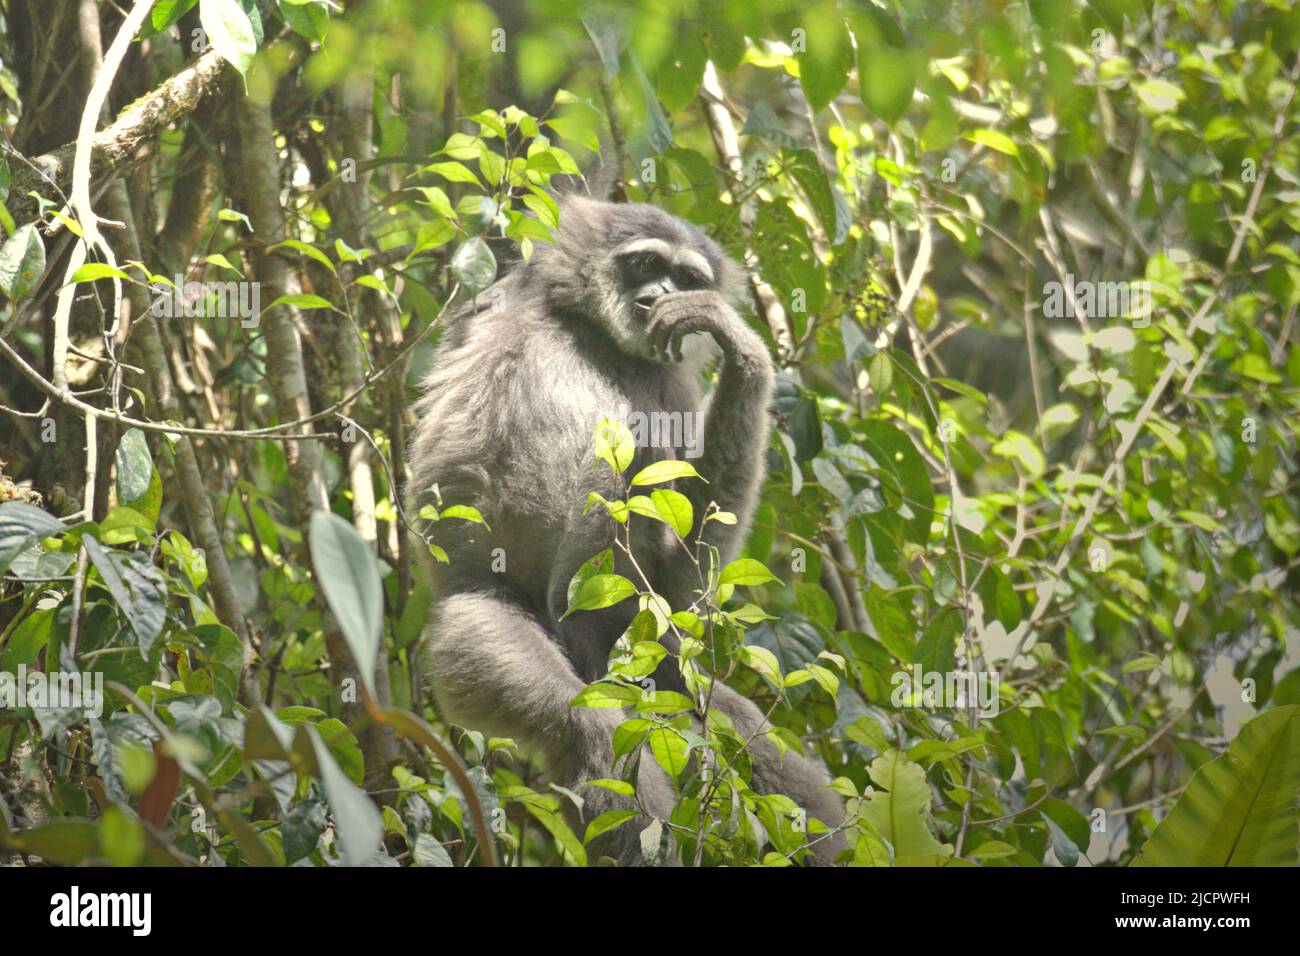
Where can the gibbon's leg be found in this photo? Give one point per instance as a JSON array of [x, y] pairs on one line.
[[800, 779], [495, 669]]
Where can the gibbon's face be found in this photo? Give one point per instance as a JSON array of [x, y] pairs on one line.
[[644, 268], [650, 268], [613, 262]]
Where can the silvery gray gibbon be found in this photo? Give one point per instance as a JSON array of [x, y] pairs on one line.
[[596, 322]]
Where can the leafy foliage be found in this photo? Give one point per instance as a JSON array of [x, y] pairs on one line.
[[1024, 571]]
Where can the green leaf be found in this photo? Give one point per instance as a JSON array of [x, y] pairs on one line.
[[348, 574], [899, 809], [747, 572], [601, 590], [935, 650], [96, 270], [453, 172], [674, 508], [357, 822], [825, 63], [994, 140], [22, 260], [1159, 96], [669, 469], [27, 639], [669, 749], [605, 695], [134, 466], [307, 250], [167, 12], [230, 30], [305, 17], [607, 821], [301, 829], [302, 300], [21, 526], [886, 68], [867, 730], [904, 478], [64, 842], [615, 444], [1021, 447], [474, 266], [138, 588], [1240, 808], [121, 837], [548, 816], [438, 201], [614, 786], [1071, 822], [761, 660], [664, 702], [464, 513], [600, 563]]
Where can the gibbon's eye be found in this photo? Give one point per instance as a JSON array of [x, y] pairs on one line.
[[645, 264], [689, 278]]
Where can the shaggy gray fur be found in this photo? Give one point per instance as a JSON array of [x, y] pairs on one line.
[[506, 423]]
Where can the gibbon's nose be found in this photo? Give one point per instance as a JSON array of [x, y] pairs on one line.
[[651, 294]]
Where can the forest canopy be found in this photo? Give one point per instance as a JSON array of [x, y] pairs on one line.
[[1023, 574]]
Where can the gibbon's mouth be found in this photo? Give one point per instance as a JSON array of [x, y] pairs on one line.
[[645, 303]]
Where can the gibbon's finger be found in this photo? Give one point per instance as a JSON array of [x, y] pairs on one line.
[[662, 336], [675, 341]]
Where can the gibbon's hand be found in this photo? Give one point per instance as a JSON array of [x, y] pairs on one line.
[[678, 314]]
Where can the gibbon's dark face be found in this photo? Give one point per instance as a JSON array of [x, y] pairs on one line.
[[611, 263], [650, 268]]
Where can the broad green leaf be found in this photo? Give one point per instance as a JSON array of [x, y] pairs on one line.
[[1240, 808], [615, 444], [134, 466], [64, 842], [453, 172], [669, 750], [97, 270], [604, 695], [761, 660], [356, 818], [22, 260], [887, 72], [348, 574], [827, 57], [22, 525], [995, 140], [899, 809], [747, 572], [464, 513], [669, 469], [600, 563], [474, 266], [307, 250], [302, 300], [1021, 447], [601, 590], [548, 816], [230, 30], [137, 586], [675, 508], [607, 821]]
